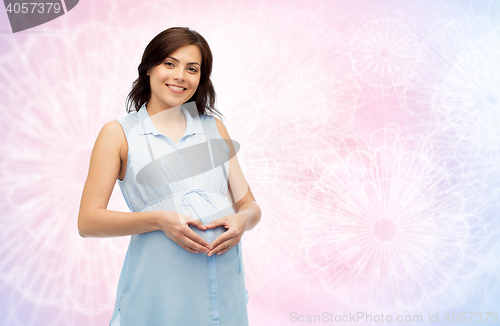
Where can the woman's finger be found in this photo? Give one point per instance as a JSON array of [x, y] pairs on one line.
[[218, 222], [195, 244], [198, 224], [191, 246], [195, 237], [224, 237], [188, 248], [222, 248]]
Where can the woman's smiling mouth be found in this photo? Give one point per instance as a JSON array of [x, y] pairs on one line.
[[176, 89]]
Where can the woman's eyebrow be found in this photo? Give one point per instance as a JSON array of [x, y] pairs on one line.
[[190, 63]]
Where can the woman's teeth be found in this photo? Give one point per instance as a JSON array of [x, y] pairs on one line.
[[176, 88]]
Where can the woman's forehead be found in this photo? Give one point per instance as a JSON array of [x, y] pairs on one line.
[[187, 53]]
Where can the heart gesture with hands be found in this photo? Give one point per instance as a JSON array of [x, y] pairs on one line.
[[175, 226], [235, 224]]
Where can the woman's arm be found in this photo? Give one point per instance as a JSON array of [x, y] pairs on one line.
[[247, 210], [245, 203], [94, 220], [247, 206]]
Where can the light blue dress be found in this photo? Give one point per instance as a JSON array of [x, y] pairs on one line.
[[160, 282]]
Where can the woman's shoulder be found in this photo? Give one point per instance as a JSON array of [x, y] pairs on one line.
[[115, 131], [219, 125], [205, 116], [112, 131], [209, 117], [128, 122], [129, 118]]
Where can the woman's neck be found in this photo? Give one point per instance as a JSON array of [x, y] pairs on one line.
[[165, 116]]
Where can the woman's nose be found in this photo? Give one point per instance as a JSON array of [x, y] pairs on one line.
[[179, 74]]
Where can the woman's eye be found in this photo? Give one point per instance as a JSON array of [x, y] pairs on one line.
[[169, 63], [193, 69]]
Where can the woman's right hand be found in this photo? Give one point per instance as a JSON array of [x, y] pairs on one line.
[[175, 226]]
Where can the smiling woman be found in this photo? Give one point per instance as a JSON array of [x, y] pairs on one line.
[[184, 262], [175, 81], [195, 60]]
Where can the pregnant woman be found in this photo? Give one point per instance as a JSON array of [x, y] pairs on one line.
[[190, 202]]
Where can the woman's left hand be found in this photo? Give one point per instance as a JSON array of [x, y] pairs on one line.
[[235, 224]]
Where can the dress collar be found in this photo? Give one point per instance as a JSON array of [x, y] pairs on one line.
[[193, 121]]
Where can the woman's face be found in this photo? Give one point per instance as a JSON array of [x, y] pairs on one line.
[[175, 80]]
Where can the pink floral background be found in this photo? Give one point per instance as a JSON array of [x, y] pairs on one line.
[[369, 132]]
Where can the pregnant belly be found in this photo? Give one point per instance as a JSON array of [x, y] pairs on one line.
[[154, 254]]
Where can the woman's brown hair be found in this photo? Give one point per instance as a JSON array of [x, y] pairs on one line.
[[160, 47]]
